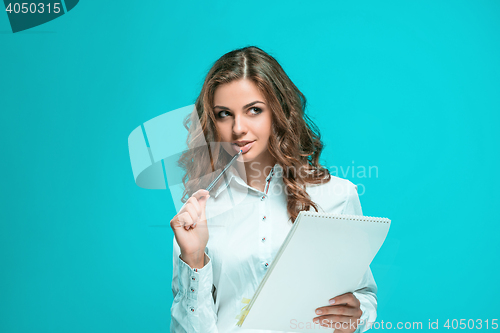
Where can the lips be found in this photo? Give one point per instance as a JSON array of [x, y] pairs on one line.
[[242, 145]]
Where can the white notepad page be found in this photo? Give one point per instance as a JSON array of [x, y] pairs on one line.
[[323, 256]]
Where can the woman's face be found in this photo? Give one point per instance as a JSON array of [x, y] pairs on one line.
[[243, 120]]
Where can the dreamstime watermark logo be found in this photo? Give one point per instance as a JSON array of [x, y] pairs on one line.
[[26, 15]]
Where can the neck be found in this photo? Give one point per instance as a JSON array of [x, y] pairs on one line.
[[257, 170]]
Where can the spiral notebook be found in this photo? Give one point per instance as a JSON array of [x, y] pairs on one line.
[[324, 255]]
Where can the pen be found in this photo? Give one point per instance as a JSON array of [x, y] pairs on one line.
[[212, 184]]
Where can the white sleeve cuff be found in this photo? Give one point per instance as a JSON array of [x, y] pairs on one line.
[[195, 282]]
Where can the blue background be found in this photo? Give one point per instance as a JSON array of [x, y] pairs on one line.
[[409, 87]]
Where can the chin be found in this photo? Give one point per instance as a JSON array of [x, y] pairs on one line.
[[251, 156], [248, 157]]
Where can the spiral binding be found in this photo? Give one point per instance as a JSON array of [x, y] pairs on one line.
[[350, 217]]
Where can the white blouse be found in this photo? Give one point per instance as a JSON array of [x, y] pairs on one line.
[[246, 229]]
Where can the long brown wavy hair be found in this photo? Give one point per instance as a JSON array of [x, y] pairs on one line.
[[295, 142]]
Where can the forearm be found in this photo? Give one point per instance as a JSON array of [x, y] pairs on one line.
[[193, 308], [197, 261]]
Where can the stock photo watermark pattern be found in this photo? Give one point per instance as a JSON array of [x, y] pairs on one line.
[[26, 15], [355, 172], [448, 324]]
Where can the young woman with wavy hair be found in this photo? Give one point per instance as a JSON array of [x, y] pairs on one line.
[[225, 240]]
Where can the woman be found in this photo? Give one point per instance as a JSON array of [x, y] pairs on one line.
[[226, 239]]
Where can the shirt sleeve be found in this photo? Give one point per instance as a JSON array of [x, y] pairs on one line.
[[366, 292], [193, 308]]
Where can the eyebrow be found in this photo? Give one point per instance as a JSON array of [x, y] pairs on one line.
[[244, 107]]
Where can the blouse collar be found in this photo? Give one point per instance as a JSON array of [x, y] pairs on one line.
[[276, 171]]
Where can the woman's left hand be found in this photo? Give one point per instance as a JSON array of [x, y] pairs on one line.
[[343, 315]]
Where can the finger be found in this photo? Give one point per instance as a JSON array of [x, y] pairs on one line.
[[341, 310], [196, 204], [185, 220], [176, 222], [195, 215], [200, 193], [347, 298], [202, 201], [192, 201], [337, 322], [334, 319]]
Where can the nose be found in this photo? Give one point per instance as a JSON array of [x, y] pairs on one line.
[[239, 126]]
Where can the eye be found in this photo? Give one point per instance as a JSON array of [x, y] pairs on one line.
[[222, 114], [256, 110]]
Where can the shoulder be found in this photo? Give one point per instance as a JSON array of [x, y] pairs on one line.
[[332, 196]]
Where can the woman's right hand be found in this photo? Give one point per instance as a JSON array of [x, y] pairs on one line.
[[190, 229]]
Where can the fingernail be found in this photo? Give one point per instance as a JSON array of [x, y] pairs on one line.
[[332, 301], [319, 311]]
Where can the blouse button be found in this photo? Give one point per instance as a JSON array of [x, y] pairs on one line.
[[263, 218], [192, 309], [266, 264], [262, 198], [192, 290], [194, 279], [263, 239]]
